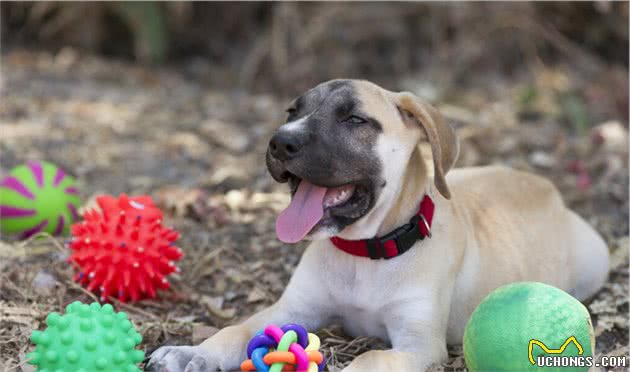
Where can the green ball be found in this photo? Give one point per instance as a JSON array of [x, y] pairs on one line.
[[87, 338], [35, 197], [518, 316]]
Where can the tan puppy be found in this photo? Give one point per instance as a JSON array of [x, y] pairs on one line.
[[350, 151]]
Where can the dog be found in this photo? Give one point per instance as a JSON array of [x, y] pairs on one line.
[[399, 250]]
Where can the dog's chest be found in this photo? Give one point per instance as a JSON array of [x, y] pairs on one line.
[[360, 290], [359, 322]]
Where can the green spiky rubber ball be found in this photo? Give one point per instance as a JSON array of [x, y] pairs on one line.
[[36, 197], [88, 338], [500, 330]]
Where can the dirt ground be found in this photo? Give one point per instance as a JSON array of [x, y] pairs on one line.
[[121, 128]]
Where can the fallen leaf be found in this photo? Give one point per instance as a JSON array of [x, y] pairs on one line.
[[201, 332], [255, 295]]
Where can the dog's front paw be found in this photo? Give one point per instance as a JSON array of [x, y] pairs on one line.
[[180, 359]]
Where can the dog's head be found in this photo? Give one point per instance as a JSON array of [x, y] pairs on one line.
[[344, 151]]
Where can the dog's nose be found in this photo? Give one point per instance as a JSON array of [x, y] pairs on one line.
[[284, 146]]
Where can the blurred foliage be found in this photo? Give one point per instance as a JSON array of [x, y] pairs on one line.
[[137, 29], [147, 22], [526, 98], [287, 46], [575, 111]]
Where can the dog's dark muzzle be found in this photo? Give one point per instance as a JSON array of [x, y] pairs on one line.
[[287, 153]]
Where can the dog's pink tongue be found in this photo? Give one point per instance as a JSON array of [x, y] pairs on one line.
[[305, 210]]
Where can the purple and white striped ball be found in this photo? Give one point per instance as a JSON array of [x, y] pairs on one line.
[[38, 197]]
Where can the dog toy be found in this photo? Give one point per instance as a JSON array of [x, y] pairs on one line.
[[87, 338], [270, 350], [124, 251], [517, 323], [35, 197]]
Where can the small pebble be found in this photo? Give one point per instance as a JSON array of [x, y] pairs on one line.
[[44, 283], [542, 159]]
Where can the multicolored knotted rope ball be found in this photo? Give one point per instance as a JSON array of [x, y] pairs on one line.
[[36, 197], [286, 348]]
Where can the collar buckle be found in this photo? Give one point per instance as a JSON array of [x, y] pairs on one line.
[[406, 235], [409, 233]]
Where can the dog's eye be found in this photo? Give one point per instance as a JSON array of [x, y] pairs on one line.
[[355, 120]]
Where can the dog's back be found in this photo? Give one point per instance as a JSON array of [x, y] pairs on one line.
[[523, 232]]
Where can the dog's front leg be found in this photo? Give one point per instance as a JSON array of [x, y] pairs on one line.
[[400, 360], [225, 350], [303, 302], [417, 331], [384, 361]]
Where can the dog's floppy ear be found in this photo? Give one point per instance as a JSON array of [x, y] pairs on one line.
[[442, 138]]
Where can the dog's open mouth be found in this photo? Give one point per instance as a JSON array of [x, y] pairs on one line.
[[313, 206]]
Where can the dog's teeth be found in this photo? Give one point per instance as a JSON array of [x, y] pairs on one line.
[[338, 196]]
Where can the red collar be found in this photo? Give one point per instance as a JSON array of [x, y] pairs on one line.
[[397, 241]]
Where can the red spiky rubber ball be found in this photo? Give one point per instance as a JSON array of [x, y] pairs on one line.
[[124, 250]]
